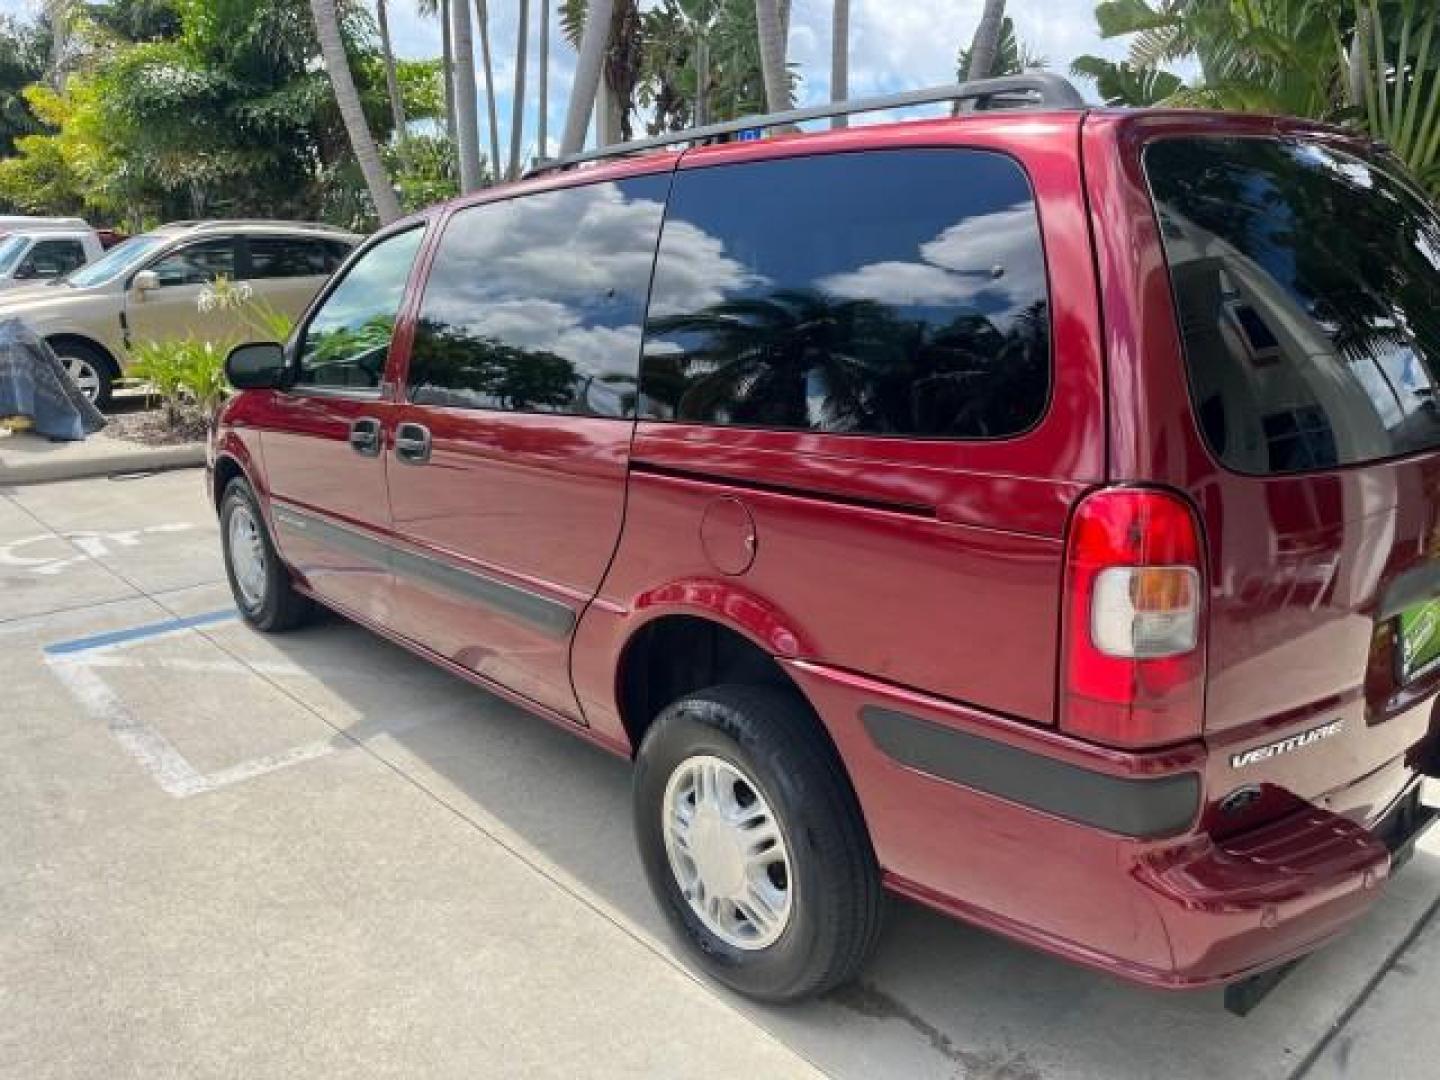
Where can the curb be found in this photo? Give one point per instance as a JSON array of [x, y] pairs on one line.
[[117, 458]]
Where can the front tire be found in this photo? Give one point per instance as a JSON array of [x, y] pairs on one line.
[[261, 584], [89, 369], [754, 844]]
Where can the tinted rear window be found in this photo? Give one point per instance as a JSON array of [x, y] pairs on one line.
[[887, 293], [1307, 286]]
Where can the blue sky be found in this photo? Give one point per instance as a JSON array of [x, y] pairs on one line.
[[894, 45]]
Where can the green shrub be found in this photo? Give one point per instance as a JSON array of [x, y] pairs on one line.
[[188, 376]]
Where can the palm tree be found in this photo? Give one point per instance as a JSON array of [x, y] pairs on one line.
[[986, 44], [593, 43], [392, 83], [431, 8], [769, 27], [447, 53], [840, 57], [542, 135], [482, 13], [347, 98], [464, 76], [517, 111]]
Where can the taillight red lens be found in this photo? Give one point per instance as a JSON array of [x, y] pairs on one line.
[[1133, 655]]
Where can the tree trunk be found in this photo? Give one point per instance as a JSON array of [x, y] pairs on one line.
[[447, 52], [465, 119], [392, 81], [772, 55], [586, 85], [517, 111], [367, 155], [57, 14], [1357, 63], [987, 41], [482, 12], [542, 134], [607, 114], [702, 78], [840, 58]]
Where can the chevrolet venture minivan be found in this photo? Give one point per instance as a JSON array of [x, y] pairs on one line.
[[1032, 513]]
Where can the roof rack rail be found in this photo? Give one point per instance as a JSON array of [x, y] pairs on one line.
[[1034, 89], [230, 223]]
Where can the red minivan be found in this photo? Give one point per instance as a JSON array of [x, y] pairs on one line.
[[1032, 513]]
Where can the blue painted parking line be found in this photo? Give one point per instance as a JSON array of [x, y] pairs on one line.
[[133, 633]]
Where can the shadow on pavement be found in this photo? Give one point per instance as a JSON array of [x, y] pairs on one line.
[[939, 998]]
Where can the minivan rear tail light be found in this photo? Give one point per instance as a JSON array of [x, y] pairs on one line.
[[1133, 653]]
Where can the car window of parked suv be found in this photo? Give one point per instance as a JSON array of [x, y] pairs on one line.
[[293, 256], [196, 264], [347, 339], [536, 304], [889, 293], [1306, 283]]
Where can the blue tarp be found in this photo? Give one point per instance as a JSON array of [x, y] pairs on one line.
[[34, 383]]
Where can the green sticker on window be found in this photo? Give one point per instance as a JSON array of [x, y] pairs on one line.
[[1419, 639]]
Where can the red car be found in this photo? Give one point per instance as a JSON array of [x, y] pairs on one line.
[[1034, 513]]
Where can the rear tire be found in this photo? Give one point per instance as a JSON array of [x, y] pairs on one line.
[[816, 904], [261, 584]]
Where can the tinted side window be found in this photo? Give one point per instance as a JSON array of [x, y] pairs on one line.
[[52, 258], [888, 293], [197, 264], [535, 304], [283, 257], [1307, 284], [348, 338]]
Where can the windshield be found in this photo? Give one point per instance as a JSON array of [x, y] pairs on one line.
[[1307, 289], [118, 260], [11, 248]]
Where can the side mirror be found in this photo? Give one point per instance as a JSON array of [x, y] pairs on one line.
[[146, 280], [257, 366]]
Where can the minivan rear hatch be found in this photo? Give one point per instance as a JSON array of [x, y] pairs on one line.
[[1305, 271]]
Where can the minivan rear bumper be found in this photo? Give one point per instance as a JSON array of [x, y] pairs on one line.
[[1094, 854]]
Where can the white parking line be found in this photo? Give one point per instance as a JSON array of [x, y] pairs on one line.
[[78, 666]]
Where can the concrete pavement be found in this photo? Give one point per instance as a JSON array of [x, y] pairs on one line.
[[314, 855]]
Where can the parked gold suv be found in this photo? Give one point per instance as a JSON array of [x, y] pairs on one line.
[[149, 288]]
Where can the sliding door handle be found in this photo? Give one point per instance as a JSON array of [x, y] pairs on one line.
[[365, 436], [412, 443]]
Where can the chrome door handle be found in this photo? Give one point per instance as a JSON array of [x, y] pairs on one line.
[[365, 436], [412, 443]]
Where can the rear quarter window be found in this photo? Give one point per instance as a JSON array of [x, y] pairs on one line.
[[897, 293], [1307, 290]]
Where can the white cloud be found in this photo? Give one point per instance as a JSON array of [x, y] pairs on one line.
[[986, 256]]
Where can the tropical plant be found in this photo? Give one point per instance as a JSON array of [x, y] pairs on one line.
[[1400, 80], [1012, 56], [1371, 63], [24, 57], [347, 97], [678, 86], [1122, 83], [188, 377]]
